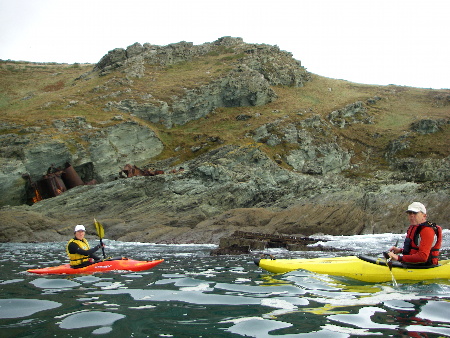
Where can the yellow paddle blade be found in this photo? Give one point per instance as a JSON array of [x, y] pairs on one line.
[[99, 228]]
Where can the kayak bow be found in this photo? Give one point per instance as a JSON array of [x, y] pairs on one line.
[[363, 268], [103, 266]]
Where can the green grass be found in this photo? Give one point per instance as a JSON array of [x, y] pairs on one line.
[[36, 94]]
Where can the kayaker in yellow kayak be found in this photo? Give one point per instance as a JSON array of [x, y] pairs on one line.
[[423, 239], [79, 251]]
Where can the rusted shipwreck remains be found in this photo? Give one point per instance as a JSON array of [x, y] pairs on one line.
[[241, 242], [131, 170], [58, 180], [54, 183]]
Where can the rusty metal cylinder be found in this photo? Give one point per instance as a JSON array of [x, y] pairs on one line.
[[51, 185], [71, 177]]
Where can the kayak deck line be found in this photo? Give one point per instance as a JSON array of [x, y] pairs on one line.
[[363, 268], [124, 264]]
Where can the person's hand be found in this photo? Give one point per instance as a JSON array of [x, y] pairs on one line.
[[393, 256], [395, 250]]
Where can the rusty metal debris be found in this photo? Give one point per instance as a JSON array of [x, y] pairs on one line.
[[58, 180], [130, 170], [55, 182]]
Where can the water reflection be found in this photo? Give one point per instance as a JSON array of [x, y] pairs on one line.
[[89, 319], [45, 283], [256, 327], [17, 308], [438, 311]]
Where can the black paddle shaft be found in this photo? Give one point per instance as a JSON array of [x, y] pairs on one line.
[[103, 248]]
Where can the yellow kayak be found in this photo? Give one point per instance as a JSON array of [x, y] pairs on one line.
[[363, 268]]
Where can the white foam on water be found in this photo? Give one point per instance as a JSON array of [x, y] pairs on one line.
[[359, 243]]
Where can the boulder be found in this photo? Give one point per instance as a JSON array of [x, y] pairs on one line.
[[350, 114], [429, 126]]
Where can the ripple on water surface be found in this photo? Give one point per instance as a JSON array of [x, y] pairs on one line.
[[17, 308], [91, 319]]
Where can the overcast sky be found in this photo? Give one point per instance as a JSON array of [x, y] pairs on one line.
[[402, 42]]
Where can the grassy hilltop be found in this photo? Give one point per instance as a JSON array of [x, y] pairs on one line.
[[35, 94]]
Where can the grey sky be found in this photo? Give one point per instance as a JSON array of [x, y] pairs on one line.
[[403, 42]]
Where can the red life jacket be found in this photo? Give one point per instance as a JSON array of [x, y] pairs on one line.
[[413, 239]]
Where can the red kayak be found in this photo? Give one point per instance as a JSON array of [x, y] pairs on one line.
[[103, 266]]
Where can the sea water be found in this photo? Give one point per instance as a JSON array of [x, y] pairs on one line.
[[193, 294]]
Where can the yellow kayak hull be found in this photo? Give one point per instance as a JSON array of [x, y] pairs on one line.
[[356, 268]]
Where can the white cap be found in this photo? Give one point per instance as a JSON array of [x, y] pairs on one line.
[[417, 207], [79, 227]]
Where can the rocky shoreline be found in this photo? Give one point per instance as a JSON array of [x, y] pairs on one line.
[[232, 188]]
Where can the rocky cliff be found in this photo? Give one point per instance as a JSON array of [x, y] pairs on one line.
[[232, 188], [266, 147]]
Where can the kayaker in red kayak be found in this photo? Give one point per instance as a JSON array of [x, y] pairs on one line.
[[423, 239], [79, 251]]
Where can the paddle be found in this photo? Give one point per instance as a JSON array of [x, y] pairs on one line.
[[100, 233], [388, 258]]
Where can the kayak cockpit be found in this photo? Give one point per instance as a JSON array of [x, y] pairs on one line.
[[395, 264]]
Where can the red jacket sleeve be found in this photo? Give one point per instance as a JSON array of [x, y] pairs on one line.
[[426, 242]]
